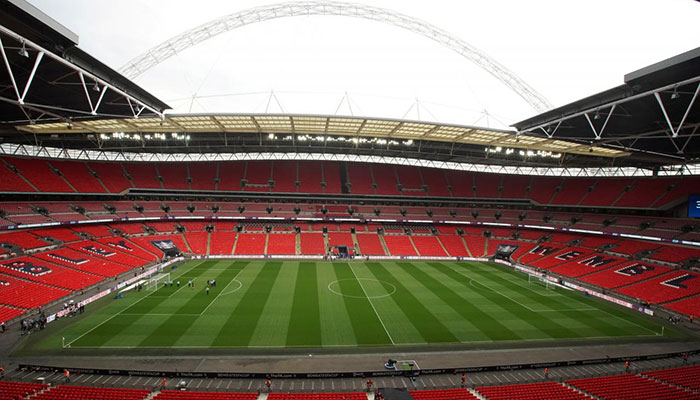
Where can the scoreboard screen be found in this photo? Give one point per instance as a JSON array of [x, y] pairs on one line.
[[694, 206]]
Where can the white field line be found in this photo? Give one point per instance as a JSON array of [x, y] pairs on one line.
[[370, 303], [223, 290], [125, 308]]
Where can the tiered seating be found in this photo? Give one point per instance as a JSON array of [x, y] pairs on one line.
[[399, 245], [339, 239], [331, 175], [77, 260], [625, 274], [310, 177], [258, 173], [94, 230], [110, 253], [476, 243], [317, 396], [514, 186], [78, 175], [112, 175], [19, 390], [543, 189], [19, 293], [143, 175], [631, 387], [632, 247], [174, 175], [6, 314], [39, 271], [532, 391], [682, 376], [64, 392], [436, 181], [454, 245], [11, 182], [369, 244], [250, 243], [284, 174], [221, 242], [230, 175], [428, 246], [592, 262], [676, 254], [198, 241], [37, 171], [64, 234], [281, 243], [667, 287], [360, 175], [126, 246], [606, 192], [487, 185], [683, 188], [23, 239], [312, 243], [462, 183], [410, 179], [203, 175], [385, 178], [162, 226], [644, 192], [442, 394], [561, 257], [147, 242], [690, 306], [180, 395], [572, 191]]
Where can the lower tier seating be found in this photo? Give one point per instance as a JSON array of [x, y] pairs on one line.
[[442, 394], [19, 390], [532, 391], [631, 387], [65, 392], [682, 376], [317, 396], [399, 245], [281, 243], [180, 395]]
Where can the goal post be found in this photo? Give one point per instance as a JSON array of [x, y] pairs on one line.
[[538, 280], [157, 281]]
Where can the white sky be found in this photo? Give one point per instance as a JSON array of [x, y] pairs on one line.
[[566, 50]]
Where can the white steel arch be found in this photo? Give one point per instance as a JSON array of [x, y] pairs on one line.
[[196, 35]]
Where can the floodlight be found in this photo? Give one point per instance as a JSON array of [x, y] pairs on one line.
[[23, 51]]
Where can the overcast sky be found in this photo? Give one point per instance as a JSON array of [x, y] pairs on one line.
[[566, 50]]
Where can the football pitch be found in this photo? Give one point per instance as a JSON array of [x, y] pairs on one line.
[[285, 304]]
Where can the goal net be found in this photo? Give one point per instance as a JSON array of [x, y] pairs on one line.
[[158, 281], [537, 280]]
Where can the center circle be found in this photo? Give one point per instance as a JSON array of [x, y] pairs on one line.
[[336, 284]]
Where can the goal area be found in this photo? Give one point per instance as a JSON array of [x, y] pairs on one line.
[[157, 281]]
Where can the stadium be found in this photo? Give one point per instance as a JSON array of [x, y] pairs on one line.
[[152, 252]]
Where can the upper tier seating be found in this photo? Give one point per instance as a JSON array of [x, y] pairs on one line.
[[79, 176], [202, 175], [39, 173], [112, 175], [143, 175], [174, 175], [360, 176], [631, 387]]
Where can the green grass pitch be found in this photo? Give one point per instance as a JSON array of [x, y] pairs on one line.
[[278, 304]]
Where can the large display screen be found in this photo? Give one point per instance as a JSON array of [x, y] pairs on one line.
[[694, 206]]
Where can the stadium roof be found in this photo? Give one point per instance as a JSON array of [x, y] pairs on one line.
[[47, 77], [654, 113]]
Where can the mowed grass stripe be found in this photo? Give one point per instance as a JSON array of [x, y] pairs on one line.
[[115, 325], [168, 332], [593, 321], [365, 322], [544, 322], [240, 325], [305, 323], [488, 325], [432, 330]]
